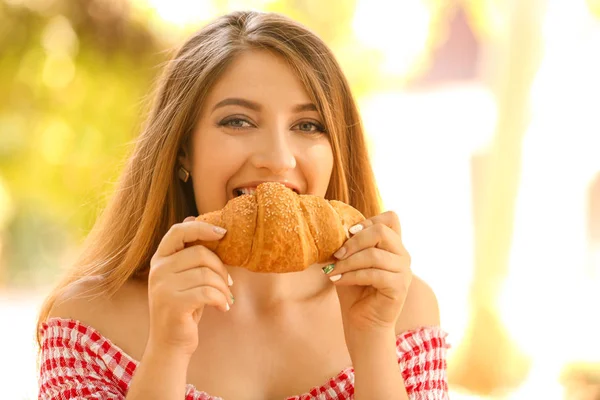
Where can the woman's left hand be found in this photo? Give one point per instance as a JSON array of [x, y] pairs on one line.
[[372, 275]]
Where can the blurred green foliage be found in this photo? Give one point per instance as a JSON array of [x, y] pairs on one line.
[[72, 77]]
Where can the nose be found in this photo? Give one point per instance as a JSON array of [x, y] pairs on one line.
[[275, 152]]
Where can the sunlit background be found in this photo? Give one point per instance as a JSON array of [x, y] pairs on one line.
[[484, 123]]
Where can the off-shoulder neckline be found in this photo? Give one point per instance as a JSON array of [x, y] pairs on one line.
[[191, 389]]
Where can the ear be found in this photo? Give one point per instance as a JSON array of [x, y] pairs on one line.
[[184, 157]]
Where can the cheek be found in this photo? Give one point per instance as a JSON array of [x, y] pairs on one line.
[[214, 163], [318, 166]]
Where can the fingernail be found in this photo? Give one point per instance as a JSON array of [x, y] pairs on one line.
[[335, 278], [227, 307], [328, 268], [340, 253], [219, 230], [355, 229], [229, 280]]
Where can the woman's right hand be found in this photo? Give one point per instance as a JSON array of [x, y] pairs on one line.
[[181, 282]]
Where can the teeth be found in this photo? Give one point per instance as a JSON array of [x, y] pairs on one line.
[[241, 191]]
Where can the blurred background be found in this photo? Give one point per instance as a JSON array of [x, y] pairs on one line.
[[483, 118]]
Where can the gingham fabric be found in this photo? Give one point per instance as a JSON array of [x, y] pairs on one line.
[[79, 363]]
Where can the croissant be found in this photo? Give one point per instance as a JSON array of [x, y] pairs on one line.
[[278, 230]]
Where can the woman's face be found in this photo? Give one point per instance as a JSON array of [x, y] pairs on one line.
[[257, 124]]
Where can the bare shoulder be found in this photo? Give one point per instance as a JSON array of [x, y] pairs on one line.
[[420, 308], [119, 317], [81, 300]]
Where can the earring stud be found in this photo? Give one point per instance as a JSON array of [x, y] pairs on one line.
[[183, 174]]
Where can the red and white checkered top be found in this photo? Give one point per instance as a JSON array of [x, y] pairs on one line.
[[77, 362]]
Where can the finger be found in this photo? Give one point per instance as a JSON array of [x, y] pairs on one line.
[[198, 256], [205, 295], [186, 232], [366, 259], [388, 218], [393, 285], [378, 235], [202, 276]]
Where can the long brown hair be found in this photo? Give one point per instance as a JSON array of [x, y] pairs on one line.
[[149, 198]]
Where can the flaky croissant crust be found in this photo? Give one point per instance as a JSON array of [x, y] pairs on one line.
[[278, 230]]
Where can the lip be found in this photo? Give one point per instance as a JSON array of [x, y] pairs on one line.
[[255, 184]]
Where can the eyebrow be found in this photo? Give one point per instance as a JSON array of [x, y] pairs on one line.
[[234, 101]]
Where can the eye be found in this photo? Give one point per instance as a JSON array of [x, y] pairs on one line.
[[235, 123], [310, 127]]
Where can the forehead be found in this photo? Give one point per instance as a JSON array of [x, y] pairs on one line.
[[260, 76]]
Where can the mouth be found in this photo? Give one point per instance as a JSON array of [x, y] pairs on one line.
[[250, 190]]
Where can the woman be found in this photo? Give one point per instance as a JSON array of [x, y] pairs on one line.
[[250, 98]]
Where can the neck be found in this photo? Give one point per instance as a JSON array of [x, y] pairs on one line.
[[265, 291]]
